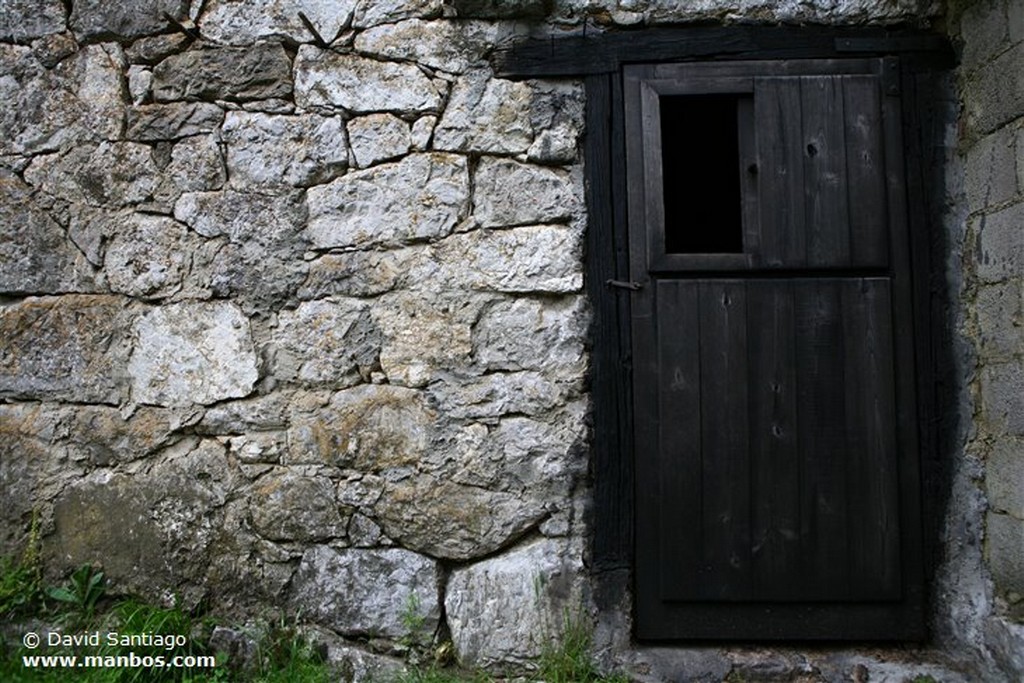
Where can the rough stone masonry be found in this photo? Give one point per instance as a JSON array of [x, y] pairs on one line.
[[291, 310]]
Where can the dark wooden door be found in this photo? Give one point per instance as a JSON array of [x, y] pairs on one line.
[[775, 427]]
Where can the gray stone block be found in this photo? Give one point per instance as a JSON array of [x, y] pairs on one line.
[[234, 22], [23, 20], [50, 109], [391, 11], [154, 122], [1004, 546], [68, 348], [35, 255], [1000, 250], [994, 94], [1004, 477], [1000, 320], [502, 184], [260, 71], [504, 610], [358, 84], [192, 353], [991, 170], [368, 592], [984, 30], [1002, 397], [265, 150], [123, 19], [422, 196]]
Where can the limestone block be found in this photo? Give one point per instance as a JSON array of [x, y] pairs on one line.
[[535, 258], [230, 22], [444, 519], [260, 266], [152, 532], [1001, 244], [359, 666], [103, 437], [1005, 639], [326, 343], [366, 273], [1004, 477], [991, 170], [371, 428], [45, 110], [422, 196], [35, 255], [147, 256], [378, 137], [423, 132], [1002, 397], [259, 413], [192, 353], [502, 184], [360, 85], [23, 20], [373, 12], [258, 447], [51, 50], [123, 19], [556, 114], [487, 115], [112, 174], [421, 337], [500, 393], [274, 151], [983, 28], [154, 122], [994, 94], [152, 49], [140, 79], [367, 592], [533, 334], [537, 457], [290, 507], [196, 166], [444, 45], [31, 469], [1000, 320], [260, 71], [503, 610], [1004, 539], [67, 348]]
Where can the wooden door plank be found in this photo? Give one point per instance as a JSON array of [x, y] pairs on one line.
[[680, 490], [872, 506], [825, 181], [865, 167], [822, 444], [775, 466], [781, 171], [725, 517]]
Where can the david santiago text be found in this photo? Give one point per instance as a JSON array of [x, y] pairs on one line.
[[113, 638]]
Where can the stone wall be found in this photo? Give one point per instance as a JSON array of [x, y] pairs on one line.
[[991, 80], [291, 301], [292, 314]]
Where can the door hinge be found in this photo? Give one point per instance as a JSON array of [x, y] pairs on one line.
[[891, 76]]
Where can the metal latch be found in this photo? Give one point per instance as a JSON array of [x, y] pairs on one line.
[[632, 286]]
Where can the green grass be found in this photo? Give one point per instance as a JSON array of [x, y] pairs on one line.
[[82, 605]]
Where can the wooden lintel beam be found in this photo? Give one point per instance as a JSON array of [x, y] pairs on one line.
[[582, 55]]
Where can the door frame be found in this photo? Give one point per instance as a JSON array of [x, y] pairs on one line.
[[925, 59]]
